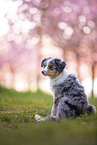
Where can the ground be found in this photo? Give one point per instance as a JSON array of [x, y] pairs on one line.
[[18, 125]]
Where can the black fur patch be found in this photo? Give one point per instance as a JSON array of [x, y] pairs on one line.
[[60, 65]]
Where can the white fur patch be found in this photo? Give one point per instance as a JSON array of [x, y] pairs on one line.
[[59, 79], [38, 118], [46, 68]]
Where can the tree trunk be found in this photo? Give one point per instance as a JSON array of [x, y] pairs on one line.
[[93, 77], [78, 66], [92, 93], [38, 62]]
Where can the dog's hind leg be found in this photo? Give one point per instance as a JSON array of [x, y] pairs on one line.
[[64, 110]]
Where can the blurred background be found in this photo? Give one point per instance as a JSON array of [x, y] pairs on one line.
[[31, 30]]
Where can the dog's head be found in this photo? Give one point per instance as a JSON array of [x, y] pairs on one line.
[[52, 67]]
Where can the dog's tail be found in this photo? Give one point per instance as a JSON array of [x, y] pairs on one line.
[[91, 109]]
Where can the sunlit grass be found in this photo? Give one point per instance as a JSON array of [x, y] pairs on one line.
[[18, 126]]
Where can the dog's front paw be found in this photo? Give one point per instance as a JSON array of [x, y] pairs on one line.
[[38, 118]]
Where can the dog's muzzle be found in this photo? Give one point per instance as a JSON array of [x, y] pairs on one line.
[[43, 72]]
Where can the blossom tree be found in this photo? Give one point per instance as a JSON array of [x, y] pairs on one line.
[[71, 25]]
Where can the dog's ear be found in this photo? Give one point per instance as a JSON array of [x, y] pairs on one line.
[[44, 60], [42, 63], [60, 65]]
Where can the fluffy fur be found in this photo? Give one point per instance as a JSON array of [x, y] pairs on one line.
[[69, 98]]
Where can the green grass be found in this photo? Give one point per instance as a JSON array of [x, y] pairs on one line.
[[18, 125]]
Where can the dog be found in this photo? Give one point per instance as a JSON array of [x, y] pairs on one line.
[[69, 98]]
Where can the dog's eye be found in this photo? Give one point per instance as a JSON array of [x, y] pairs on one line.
[[44, 65], [51, 67]]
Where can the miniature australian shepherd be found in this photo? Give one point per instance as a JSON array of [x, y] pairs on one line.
[[69, 98]]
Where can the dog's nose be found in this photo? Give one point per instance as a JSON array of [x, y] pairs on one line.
[[43, 72]]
